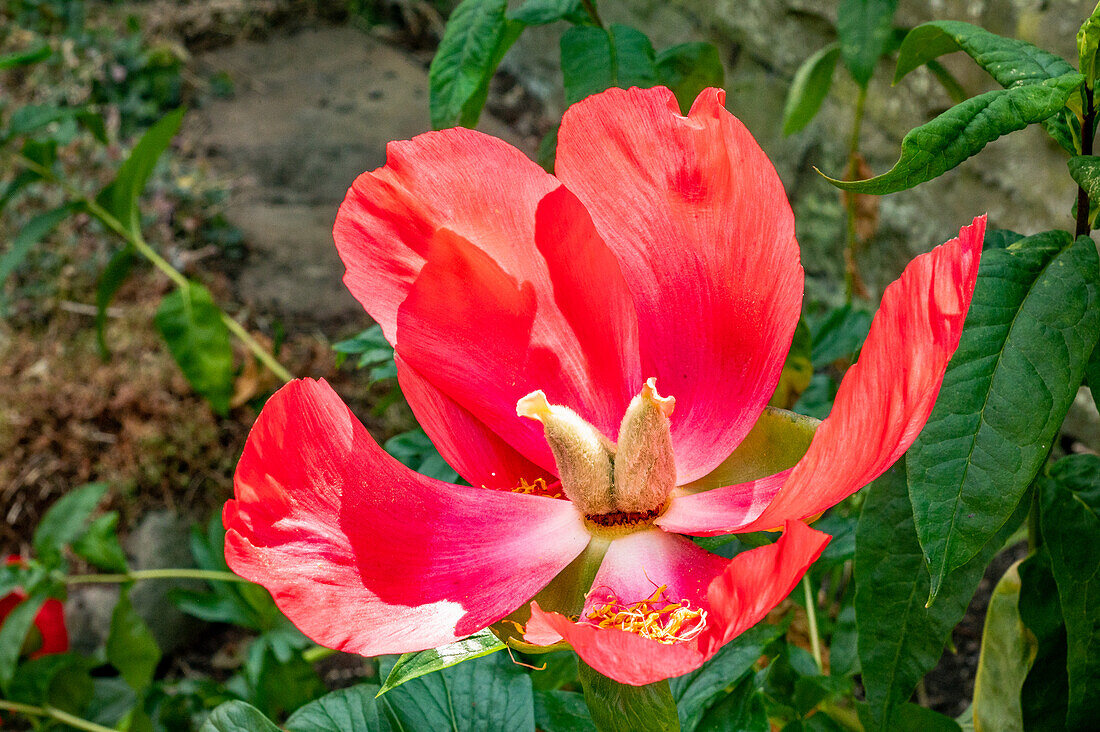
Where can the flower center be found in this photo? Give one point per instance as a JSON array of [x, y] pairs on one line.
[[619, 487], [655, 617]]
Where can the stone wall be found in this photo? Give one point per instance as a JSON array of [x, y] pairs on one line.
[[1021, 181]]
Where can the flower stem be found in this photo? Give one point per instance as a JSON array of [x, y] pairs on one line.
[[149, 574], [851, 271], [811, 616], [590, 8], [135, 239], [55, 713]]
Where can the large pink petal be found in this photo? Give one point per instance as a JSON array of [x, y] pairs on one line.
[[715, 511], [366, 556], [485, 338], [886, 397], [471, 448], [697, 218], [480, 187], [739, 597]]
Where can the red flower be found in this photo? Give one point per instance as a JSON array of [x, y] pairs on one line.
[[664, 248], [49, 622]]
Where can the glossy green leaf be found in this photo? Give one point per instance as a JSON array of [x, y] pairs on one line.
[[29, 236], [541, 12], [1033, 323], [1002, 665], [899, 639], [1044, 696], [489, 694], [120, 197], [415, 450], [562, 711], [477, 36], [863, 28], [1085, 170], [1088, 38], [112, 278], [99, 545], [13, 632], [594, 59], [1070, 519], [131, 647], [934, 148], [342, 711], [413, 665], [619, 707], [237, 716], [741, 709], [1092, 374], [191, 324], [695, 692], [66, 520], [689, 68], [25, 58], [809, 88], [1010, 62]]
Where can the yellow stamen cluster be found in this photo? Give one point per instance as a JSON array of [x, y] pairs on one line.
[[655, 617], [538, 488]]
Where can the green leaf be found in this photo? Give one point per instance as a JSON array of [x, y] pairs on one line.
[[1004, 659], [1070, 520], [191, 324], [236, 716], [809, 88], [477, 36], [489, 694], [61, 680], [864, 28], [66, 520], [1088, 38], [99, 544], [1092, 373], [110, 280], [415, 450], [31, 118], [120, 197], [695, 692], [742, 709], [1010, 62], [18, 183], [689, 68], [342, 711], [1045, 693], [29, 236], [619, 707], [541, 12], [562, 711], [413, 665], [13, 633], [131, 647], [25, 58], [1033, 322], [1085, 170], [899, 639], [962, 131], [595, 59]]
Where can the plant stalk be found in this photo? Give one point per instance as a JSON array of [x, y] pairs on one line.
[[135, 239], [54, 713], [149, 574], [811, 616], [850, 271], [590, 8], [1087, 133]]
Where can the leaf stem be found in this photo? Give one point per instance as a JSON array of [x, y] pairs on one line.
[[149, 574], [811, 616], [55, 713], [135, 238], [1087, 133], [590, 8], [851, 273]]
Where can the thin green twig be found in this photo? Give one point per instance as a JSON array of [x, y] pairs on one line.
[[150, 574], [135, 239], [55, 713], [811, 615]]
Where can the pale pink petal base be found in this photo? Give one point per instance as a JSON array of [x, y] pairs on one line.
[[366, 556]]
